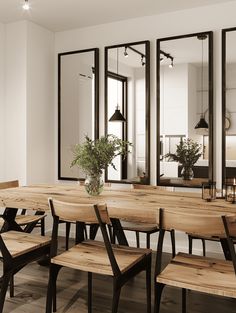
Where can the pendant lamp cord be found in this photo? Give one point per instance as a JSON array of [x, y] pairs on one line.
[[117, 62], [202, 77]]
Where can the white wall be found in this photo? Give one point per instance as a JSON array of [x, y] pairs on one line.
[[15, 101], [29, 103], [40, 105], [2, 99]]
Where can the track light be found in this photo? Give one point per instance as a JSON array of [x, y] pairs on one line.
[[26, 6], [143, 60], [171, 65], [126, 53]]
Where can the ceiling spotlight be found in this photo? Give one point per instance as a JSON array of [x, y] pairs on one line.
[[26, 5], [171, 65], [126, 53], [143, 60]]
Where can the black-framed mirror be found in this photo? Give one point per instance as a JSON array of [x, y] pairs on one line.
[[127, 89], [78, 106], [185, 109], [228, 105]]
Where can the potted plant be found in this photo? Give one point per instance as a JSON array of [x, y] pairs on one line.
[[94, 156], [187, 154]]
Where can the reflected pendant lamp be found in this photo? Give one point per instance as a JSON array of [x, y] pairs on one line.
[[202, 124], [117, 116]]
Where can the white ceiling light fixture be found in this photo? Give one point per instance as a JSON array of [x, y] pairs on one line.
[[26, 5]]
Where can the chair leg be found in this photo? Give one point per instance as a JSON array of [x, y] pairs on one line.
[[184, 307], [51, 293], [148, 241], [4, 285], [115, 298], [203, 247], [158, 292], [190, 244], [67, 234], [172, 236], [90, 292], [42, 227], [148, 286], [137, 239], [12, 286]]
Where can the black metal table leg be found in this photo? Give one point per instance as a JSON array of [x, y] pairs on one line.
[[225, 247], [119, 232], [9, 216]]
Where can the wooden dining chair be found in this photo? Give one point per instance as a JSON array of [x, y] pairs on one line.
[[191, 272], [119, 262], [26, 221], [18, 249], [146, 228]]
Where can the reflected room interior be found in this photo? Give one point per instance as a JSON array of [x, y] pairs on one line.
[[183, 106], [229, 112], [77, 106], [127, 94]]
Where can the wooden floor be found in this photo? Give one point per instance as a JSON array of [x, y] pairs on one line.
[[31, 286]]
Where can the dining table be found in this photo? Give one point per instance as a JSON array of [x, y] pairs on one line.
[[136, 205]]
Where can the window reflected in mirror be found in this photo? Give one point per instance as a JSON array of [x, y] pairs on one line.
[[228, 105], [184, 110], [77, 106], [127, 90]]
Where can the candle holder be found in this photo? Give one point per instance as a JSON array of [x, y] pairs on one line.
[[209, 191], [230, 192]]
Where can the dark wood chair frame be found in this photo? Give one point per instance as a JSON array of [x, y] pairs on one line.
[[158, 288], [119, 279], [13, 265]]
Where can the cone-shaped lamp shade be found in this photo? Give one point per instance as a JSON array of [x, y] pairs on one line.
[[117, 117], [202, 124]]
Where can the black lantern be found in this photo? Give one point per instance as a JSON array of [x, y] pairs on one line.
[[230, 189], [209, 191]]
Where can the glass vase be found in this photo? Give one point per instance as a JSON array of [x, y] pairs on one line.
[[94, 184], [187, 173]]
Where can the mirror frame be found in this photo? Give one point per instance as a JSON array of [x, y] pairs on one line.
[[96, 104], [223, 89], [210, 103], [147, 104]]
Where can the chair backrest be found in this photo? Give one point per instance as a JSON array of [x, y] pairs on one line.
[[199, 223], [75, 212], [9, 184], [81, 214]]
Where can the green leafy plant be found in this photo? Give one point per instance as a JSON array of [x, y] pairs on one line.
[[187, 153], [93, 156]]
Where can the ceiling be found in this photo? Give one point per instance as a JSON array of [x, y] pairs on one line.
[[59, 15]]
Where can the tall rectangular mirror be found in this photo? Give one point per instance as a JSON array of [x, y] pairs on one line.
[[185, 110], [127, 93], [228, 105], [77, 106]]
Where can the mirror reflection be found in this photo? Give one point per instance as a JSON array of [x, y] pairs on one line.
[[229, 94], [185, 110], [77, 104], [127, 109]]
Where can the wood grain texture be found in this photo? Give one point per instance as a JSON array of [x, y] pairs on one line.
[[79, 212], [130, 205], [202, 274], [19, 243], [91, 256], [9, 184], [23, 220], [31, 287]]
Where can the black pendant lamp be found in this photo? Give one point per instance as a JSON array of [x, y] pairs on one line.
[[202, 124], [117, 116]]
